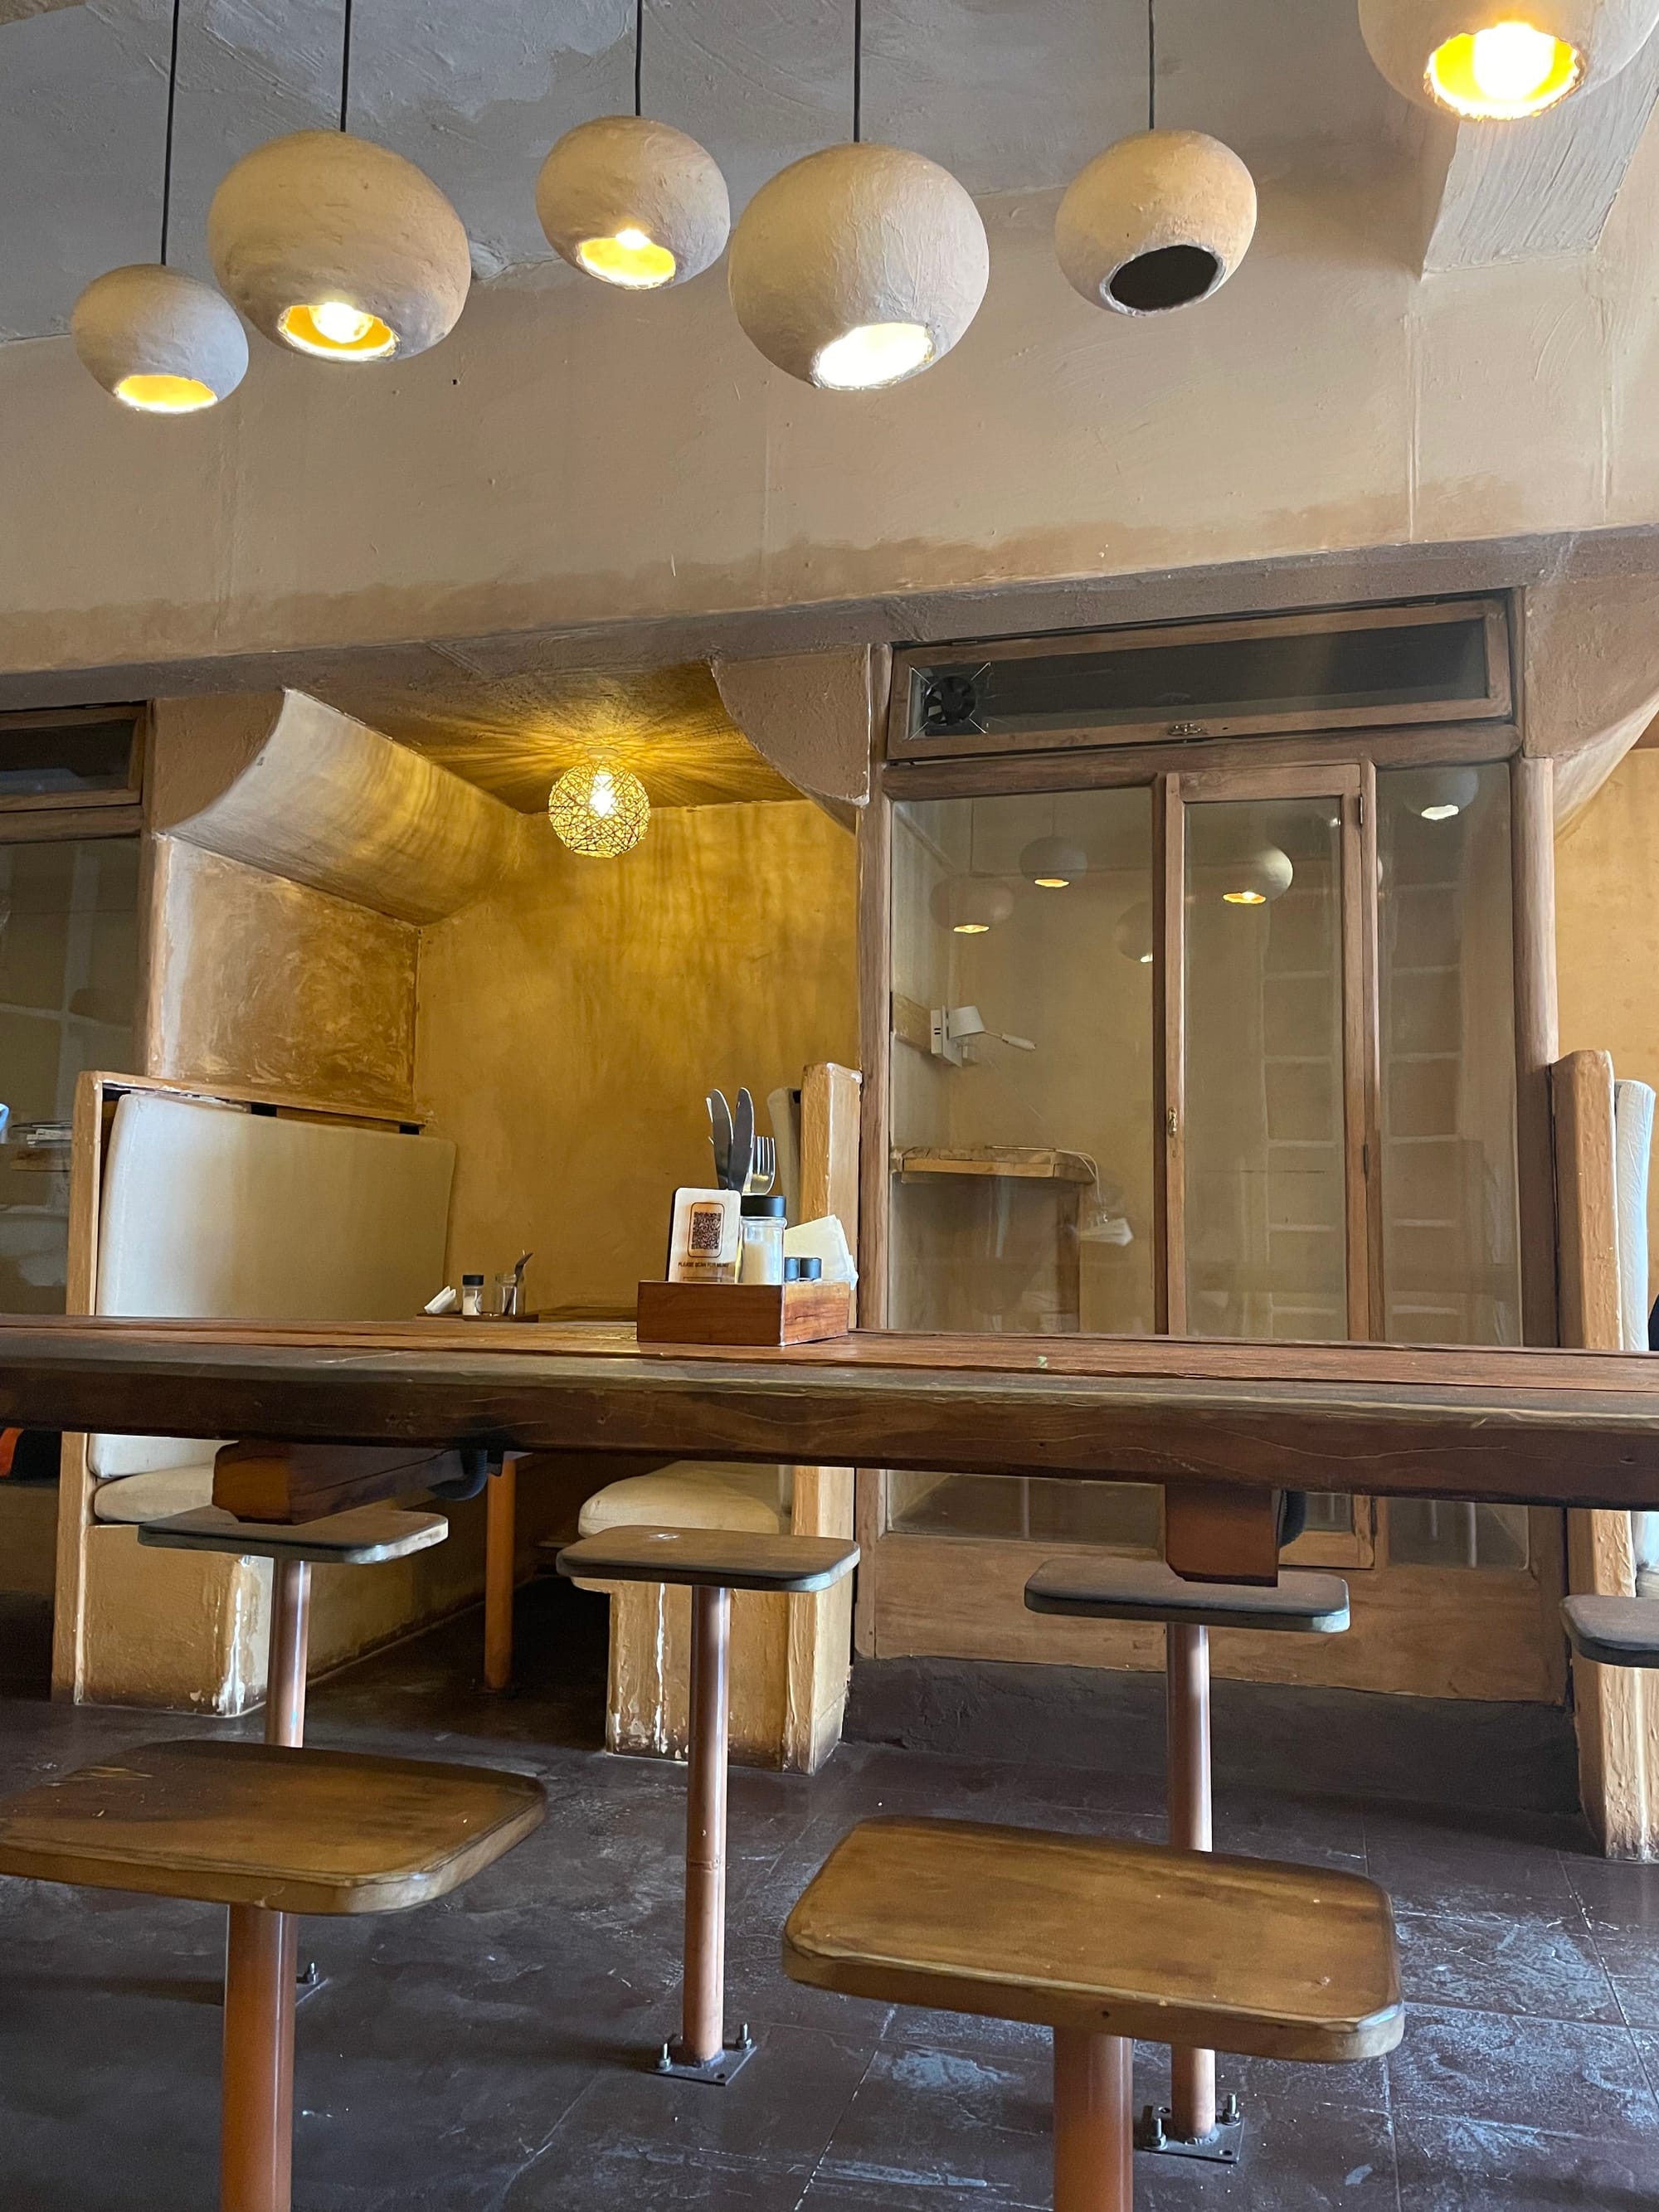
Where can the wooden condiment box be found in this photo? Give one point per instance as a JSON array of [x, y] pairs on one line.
[[742, 1313]]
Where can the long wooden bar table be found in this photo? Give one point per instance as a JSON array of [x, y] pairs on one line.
[[1525, 1427]]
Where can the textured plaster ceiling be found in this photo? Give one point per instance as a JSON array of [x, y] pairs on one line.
[[1011, 95], [513, 735]]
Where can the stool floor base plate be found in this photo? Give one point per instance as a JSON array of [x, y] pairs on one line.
[[716, 2071], [1224, 2147]]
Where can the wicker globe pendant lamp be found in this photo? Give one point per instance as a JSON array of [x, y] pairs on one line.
[[631, 201], [159, 340], [861, 266], [1500, 61], [1160, 220], [338, 248]]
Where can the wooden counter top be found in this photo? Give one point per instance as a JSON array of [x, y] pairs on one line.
[[1570, 1428]]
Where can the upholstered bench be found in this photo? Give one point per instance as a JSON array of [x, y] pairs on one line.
[[712, 1563], [1108, 1586], [1102, 1942]]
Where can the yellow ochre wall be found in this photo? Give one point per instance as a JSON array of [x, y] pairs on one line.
[[1606, 934], [569, 1025]]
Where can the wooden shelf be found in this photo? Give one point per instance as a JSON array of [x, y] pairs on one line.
[[1023, 1162]]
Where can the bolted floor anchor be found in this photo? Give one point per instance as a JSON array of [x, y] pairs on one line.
[[307, 1981], [1222, 2147], [716, 2071]]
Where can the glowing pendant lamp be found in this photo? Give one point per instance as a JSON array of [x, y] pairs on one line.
[[861, 266], [1489, 61], [1256, 878], [338, 248], [632, 201], [1160, 220], [1438, 794], [969, 906], [599, 810], [159, 340], [1052, 863]]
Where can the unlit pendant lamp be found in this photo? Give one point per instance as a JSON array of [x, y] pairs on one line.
[[632, 201], [1497, 61], [338, 248], [1160, 220], [860, 266], [159, 340]]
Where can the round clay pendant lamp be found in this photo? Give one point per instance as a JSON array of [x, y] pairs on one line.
[[1051, 863], [339, 248], [634, 202], [1438, 794], [969, 906], [1256, 876], [858, 267], [1497, 61], [1157, 222], [158, 340]]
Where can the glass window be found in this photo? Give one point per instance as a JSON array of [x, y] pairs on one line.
[[1022, 1197], [69, 945], [37, 760], [1266, 1193]]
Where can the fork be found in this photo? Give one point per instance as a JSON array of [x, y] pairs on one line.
[[763, 1173]]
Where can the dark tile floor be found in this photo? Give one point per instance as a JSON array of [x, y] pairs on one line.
[[484, 2055]]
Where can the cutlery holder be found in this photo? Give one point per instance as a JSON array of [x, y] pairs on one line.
[[773, 1314]]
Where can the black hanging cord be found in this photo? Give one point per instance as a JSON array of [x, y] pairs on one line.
[[166, 157], [639, 52], [345, 65], [857, 71], [1152, 65]]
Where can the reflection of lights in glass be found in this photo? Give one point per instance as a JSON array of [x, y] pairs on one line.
[[1256, 878], [1438, 794], [1134, 934], [598, 810], [969, 906], [1052, 863]]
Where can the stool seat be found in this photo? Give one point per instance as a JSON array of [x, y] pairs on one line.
[[290, 1830], [710, 1559], [1106, 1586], [1106, 1938], [361, 1538], [1615, 1632]]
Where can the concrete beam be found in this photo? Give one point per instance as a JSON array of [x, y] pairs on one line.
[[1538, 190]]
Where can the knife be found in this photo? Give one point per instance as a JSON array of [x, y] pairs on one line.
[[741, 1156], [719, 1136]]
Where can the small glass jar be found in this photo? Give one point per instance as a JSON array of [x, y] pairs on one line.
[[507, 1297], [763, 1221], [472, 1289]]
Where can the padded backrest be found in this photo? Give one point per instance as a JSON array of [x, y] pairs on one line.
[[209, 1211]]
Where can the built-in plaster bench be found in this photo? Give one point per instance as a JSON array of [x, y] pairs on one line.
[[211, 1209]]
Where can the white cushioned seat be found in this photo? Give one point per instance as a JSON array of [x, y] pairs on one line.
[[137, 1499], [688, 1495]]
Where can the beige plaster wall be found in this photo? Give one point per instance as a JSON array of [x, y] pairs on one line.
[[572, 456], [570, 1025], [1606, 934]]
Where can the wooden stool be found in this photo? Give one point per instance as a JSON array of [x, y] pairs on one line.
[[1102, 1942], [269, 1832], [712, 1562], [360, 1538], [1102, 1586], [1613, 1632]]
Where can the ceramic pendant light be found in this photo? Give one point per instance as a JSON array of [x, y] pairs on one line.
[[158, 340], [1052, 863], [1160, 220], [1256, 876], [338, 248], [599, 809], [860, 266], [969, 906], [632, 201], [1488, 61], [1438, 794]]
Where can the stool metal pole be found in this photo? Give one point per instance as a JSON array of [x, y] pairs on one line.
[[1187, 1660], [1094, 2145], [262, 1953], [702, 2033]]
